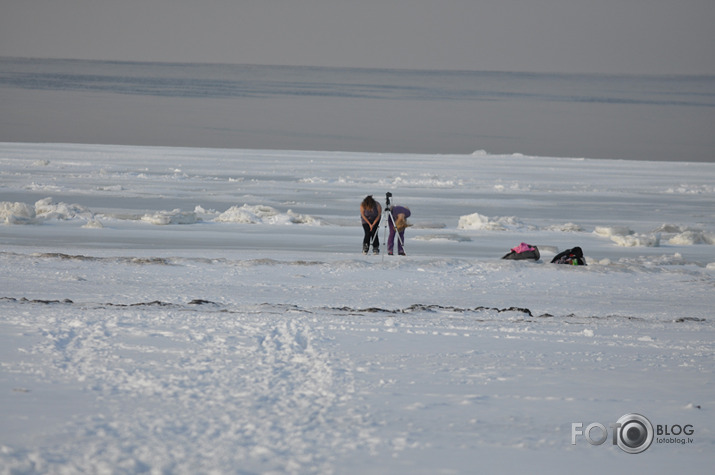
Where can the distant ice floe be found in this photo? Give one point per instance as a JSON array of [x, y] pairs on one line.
[[672, 234], [620, 235], [684, 236], [625, 237], [16, 213], [171, 217], [262, 214], [93, 224], [427, 180], [690, 189], [44, 209], [499, 223], [515, 186], [246, 214], [692, 237], [566, 228], [509, 223]]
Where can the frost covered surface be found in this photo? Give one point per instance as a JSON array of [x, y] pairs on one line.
[[194, 310]]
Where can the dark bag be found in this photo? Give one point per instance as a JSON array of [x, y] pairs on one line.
[[523, 251], [572, 257]]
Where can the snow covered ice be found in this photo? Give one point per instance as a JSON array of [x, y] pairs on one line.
[[179, 310]]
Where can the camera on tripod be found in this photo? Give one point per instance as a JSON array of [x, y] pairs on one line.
[[388, 195]]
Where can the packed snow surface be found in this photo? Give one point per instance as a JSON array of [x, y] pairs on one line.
[[177, 310]]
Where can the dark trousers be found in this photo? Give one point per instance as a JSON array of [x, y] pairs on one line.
[[371, 235]]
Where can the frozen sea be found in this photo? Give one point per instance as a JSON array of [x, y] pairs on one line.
[[208, 310], [361, 110]]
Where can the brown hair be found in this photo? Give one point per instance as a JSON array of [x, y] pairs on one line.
[[369, 203]]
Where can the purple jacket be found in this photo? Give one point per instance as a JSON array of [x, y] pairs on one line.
[[398, 210]]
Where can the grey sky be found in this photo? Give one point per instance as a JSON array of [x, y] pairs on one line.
[[602, 36]]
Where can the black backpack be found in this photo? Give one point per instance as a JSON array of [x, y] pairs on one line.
[[572, 257]]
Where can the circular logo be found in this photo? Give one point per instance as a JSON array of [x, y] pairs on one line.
[[634, 433]]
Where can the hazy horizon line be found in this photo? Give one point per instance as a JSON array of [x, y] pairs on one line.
[[362, 68]]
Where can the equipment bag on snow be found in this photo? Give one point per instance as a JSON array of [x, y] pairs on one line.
[[572, 257], [523, 251]]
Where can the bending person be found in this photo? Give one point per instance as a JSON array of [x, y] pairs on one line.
[[370, 212], [398, 224]]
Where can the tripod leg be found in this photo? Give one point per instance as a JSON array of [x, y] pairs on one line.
[[384, 234], [393, 233]]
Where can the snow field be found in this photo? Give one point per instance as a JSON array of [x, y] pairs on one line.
[[209, 311]]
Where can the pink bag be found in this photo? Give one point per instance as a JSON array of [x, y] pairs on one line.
[[523, 247]]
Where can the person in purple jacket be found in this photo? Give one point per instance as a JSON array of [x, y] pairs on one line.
[[398, 224]]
